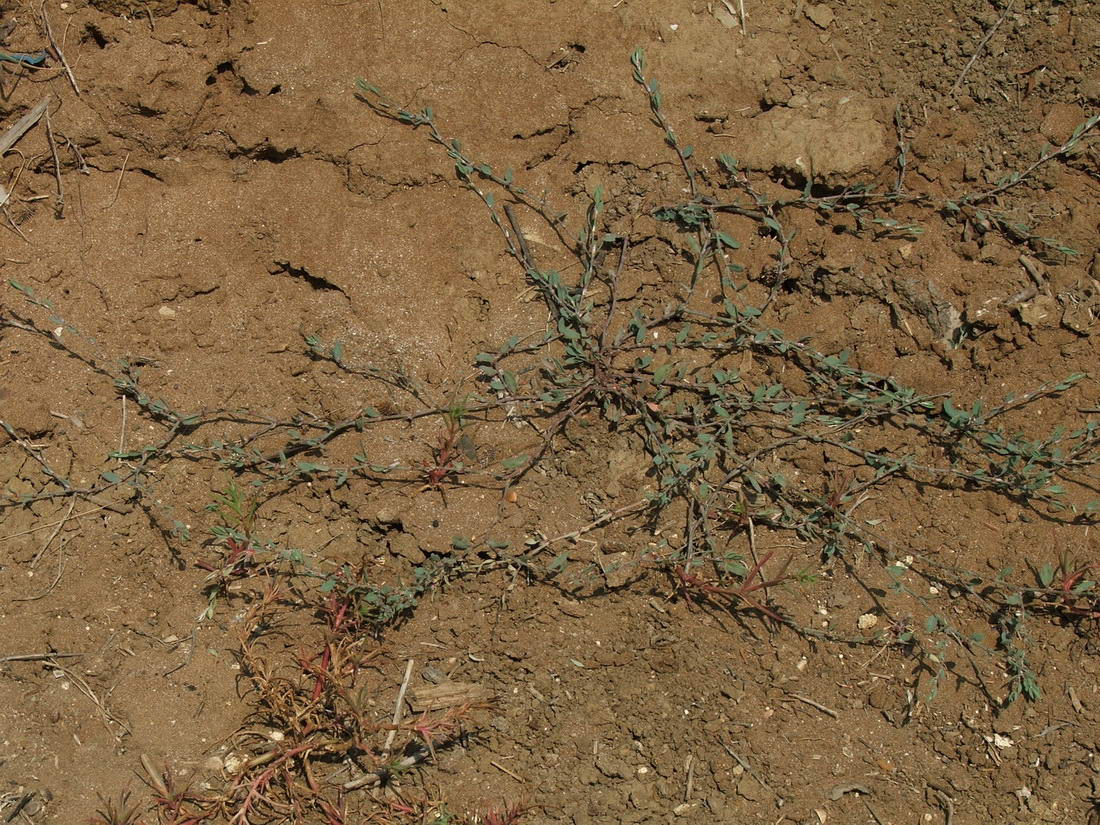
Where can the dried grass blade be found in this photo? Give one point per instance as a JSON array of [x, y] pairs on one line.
[[23, 125]]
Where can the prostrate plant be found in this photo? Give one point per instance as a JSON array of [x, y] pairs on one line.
[[717, 440], [664, 367]]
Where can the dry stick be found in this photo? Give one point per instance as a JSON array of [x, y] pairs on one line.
[[741, 14], [689, 766], [59, 207], [122, 431], [397, 708], [56, 579], [813, 704], [114, 200], [21, 802], [38, 657], [524, 250], [57, 49], [1031, 266], [373, 779], [13, 225], [500, 767], [592, 525], [903, 147], [947, 805], [6, 193], [190, 653], [872, 812], [32, 450], [981, 45], [84, 688], [54, 523], [79, 157], [755, 560], [156, 779], [53, 535], [614, 292], [23, 125], [748, 769]]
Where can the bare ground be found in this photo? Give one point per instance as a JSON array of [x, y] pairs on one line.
[[219, 194]]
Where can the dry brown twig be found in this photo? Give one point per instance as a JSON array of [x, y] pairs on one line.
[[981, 46], [38, 657], [154, 776], [7, 141], [57, 49], [816, 705], [592, 525], [109, 718], [374, 779], [503, 769], [56, 578], [114, 200], [53, 535], [947, 804], [59, 203], [48, 525], [23, 125], [397, 708], [749, 770]]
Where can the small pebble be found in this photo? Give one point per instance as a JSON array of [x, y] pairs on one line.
[[433, 674], [821, 16]]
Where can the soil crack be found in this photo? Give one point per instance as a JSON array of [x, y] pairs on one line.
[[315, 281]]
